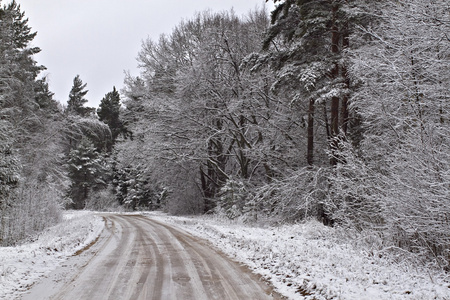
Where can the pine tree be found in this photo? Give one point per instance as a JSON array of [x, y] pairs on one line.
[[307, 40], [31, 174], [77, 99], [18, 69], [18, 72], [20, 33], [301, 27]]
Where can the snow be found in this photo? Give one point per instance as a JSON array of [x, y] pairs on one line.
[[311, 261], [24, 265], [302, 261]]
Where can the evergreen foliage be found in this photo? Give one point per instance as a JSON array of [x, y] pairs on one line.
[[9, 164], [109, 113], [19, 34], [135, 189], [77, 100], [31, 172], [87, 172], [87, 141], [44, 97]]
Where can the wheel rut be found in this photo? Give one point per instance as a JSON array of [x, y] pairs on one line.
[[139, 258]]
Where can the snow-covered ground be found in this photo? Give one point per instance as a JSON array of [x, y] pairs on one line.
[[22, 266], [311, 261], [303, 261]]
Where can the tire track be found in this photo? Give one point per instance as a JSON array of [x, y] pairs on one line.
[[105, 238], [97, 279], [149, 287], [218, 277], [184, 277], [139, 258]]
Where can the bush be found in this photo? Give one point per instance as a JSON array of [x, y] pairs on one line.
[[232, 198], [296, 197], [27, 211], [103, 200]]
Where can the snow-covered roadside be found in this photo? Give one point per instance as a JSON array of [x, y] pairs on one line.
[[22, 266], [305, 261]]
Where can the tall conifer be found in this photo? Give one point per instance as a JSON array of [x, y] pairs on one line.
[[108, 112], [77, 99]]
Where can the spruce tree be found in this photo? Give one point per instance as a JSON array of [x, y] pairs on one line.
[[86, 171], [109, 111]]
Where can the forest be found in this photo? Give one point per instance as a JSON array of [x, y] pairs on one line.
[[335, 110]]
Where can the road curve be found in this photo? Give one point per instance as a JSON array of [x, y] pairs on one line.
[[139, 258]]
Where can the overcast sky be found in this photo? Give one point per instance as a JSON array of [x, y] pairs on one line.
[[100, 39]]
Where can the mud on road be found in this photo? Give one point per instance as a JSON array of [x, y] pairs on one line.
[[139, 258]]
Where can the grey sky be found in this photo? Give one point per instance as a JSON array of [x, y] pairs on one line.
[[100, 39]]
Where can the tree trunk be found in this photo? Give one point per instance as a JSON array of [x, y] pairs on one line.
[[327, 124], [335, 37], [207, 193], [310, 145], [344, 107]]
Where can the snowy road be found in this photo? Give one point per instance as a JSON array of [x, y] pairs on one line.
[[138, 258]]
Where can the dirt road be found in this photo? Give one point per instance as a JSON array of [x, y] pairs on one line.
[[138, 258]]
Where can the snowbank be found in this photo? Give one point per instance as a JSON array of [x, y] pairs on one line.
[[303, 261], [22, 266], [307, 261]]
